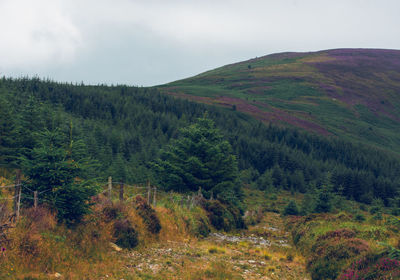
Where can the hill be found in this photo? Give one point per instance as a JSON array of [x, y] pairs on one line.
[[124, 129], [353, 94]]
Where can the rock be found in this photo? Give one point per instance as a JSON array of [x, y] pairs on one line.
[[57, 275], [115, 247]]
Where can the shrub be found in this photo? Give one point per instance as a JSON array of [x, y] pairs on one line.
[[291, 209], [331, 252], [324, 202], [372, 266], [267, 257], [226, 217], [395, 212], [113, 212], [377, 216], [125, 234], [375, 209], [202, 228], [360, 218], [148, 215]]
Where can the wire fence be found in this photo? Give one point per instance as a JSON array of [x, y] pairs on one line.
[[112, 190]]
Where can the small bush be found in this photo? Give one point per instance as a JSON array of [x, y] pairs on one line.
[[375, 209], [148, 215], [377, 216], [125, 234], [215, 250], [360, 218], [202, 228], [372, 266], [332, 251], [395, 212], [223, 217], [291, 209], [113, 212]]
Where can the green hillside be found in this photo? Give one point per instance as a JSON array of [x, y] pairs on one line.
[[124, 128], [350, 93]]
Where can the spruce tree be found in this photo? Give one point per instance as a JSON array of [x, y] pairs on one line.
[[199, 157], [54, 169]]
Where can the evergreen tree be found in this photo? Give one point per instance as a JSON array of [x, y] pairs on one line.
[[324, 201], [29, 122], [291, 208], [200, 157], [7, 135], [53, 168]]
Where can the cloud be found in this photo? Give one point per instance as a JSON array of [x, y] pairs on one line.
[[36, 33], [148, 42]]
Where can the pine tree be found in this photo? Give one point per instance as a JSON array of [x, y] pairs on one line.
[[53, 169], [291, 208], [200, 157], [7, 135]]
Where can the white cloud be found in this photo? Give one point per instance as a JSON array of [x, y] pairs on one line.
[[36, 33], [153, 41]]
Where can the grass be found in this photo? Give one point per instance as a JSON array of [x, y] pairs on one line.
[[40, 247], [356, 103]]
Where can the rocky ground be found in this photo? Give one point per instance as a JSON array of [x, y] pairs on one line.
[[261, 252]]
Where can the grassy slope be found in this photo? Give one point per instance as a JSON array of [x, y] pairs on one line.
[[39, 248], [351, 93]]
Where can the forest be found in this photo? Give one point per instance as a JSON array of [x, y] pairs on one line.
[[125, 128]]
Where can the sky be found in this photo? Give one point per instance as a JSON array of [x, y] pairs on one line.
[[152, 42]]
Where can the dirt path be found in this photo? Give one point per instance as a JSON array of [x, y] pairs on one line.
[[261, 252]]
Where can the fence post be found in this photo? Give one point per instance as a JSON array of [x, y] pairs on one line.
[[212, 196], [17, 194], [148, 191], [121, 191], [110, 187], [19, 201], [35, 199], [154, 197]]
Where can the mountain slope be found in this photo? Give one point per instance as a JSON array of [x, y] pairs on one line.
[[351, 93]]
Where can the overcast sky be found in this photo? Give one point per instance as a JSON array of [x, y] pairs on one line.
[[150, 42]]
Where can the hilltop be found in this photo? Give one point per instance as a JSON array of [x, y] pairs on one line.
[[350, 93]]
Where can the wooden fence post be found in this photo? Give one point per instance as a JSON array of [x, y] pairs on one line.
[[121, 191], [110, 187], [154, 197], [19, 202], [35, 199], [148, 191], [17, 194]]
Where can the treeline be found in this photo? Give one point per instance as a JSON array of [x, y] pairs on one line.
[[124, 129]]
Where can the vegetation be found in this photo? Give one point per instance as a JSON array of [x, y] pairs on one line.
[[124, 129], [52, 167], [338, 246], [200, 158], [350, 93], [338, 195]]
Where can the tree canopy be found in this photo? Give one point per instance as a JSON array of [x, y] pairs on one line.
[[199, 157], [53, 168]]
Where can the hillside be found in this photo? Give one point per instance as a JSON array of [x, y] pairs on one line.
[[124, 129], [293, 204], [350, 93]]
